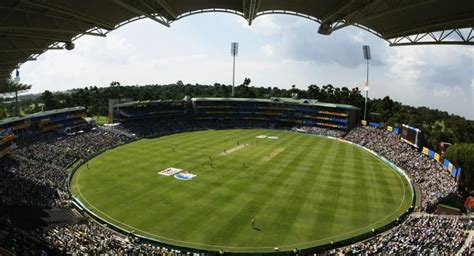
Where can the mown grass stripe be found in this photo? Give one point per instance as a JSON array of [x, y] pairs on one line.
[[314, 191]]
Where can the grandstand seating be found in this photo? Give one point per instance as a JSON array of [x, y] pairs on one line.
[[59, 119], [62, 120], [35, 174], [280, 111], [6, 142], [147, 109]]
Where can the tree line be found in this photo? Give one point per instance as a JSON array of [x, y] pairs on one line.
[[437, 126], [462, 155]]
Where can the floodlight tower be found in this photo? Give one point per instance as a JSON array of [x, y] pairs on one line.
[[234, 51], [17, 79], [367, 57]]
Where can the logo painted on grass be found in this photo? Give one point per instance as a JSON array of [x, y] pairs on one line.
[[185, 176], [169, 171]]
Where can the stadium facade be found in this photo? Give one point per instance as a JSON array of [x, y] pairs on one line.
[[280, 111], [61, 120]]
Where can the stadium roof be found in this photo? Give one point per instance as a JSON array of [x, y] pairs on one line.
[[30, 27], [40, 114], [141, 102], [279, 100]]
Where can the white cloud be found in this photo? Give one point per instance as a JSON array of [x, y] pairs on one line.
[[437, 76], [402, 65], [358, 37], [275, 51], [268, 50], [441, 93], [266, 25]]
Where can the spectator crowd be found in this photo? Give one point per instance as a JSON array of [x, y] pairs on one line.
[[36, 174], [93, 239], [434, 182], [154, 127], [418, 235], [469, 250], [320, 131]]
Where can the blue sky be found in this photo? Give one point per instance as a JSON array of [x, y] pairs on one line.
[[277, 50]]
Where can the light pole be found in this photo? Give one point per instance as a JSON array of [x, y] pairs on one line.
[[234, 51], [17, 80], [367, 57], [115, 84]]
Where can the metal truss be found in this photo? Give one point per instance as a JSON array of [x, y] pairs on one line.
[[289, 13], [121, 24], [30, 49], [250, 8], [138, 10], [13, 61], [347, 14], [29, 29], [312, 18], [463, 36], [343, 16], [34, 36], [57, 11], [170, 12], [210, 10], [66, 24]]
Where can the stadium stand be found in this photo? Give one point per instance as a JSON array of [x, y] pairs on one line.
[[36, 181], [141, 109], [6, 142], [35, 176], [434, 182], [420, 235], [282, 111], [110, 242], [66, 120], [319, 131], [469, 250]]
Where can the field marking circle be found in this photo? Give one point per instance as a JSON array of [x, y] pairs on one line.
[[216, 247]]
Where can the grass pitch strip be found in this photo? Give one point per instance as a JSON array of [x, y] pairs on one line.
[[300, 190]]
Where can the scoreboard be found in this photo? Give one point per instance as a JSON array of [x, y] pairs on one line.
[[411, 135]]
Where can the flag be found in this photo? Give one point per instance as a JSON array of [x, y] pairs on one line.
[[425, 151]]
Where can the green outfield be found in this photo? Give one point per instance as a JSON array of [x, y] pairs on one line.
[[300, 190]]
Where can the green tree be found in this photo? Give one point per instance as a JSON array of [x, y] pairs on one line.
[[462, 155], [3, 113], [10, 86], [49, 100], [314, 92]]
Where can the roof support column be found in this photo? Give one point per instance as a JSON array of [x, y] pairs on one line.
[[167, 9], [250, 9]]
